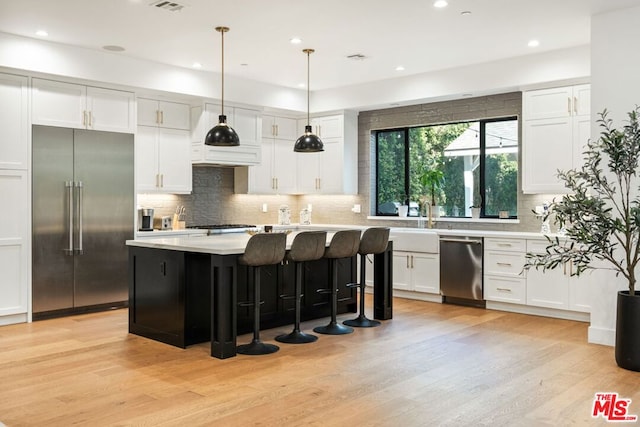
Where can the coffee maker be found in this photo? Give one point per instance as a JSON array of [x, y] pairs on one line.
[[145, 219]]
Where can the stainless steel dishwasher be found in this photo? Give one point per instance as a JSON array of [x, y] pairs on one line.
[[461, 270]]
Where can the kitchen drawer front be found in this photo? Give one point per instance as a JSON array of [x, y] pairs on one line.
[[511, 245], [537, 246], [504, 289], [504, 263]]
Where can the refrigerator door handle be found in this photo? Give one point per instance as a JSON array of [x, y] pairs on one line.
[[69, 186], [79, 251]]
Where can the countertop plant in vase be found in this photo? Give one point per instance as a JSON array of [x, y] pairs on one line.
[[601, 216]]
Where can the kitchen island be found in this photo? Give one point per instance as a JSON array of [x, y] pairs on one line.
[[183, 291]]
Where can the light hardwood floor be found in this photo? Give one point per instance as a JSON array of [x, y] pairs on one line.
[[430, 365]]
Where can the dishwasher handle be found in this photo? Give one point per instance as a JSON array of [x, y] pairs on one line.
[[468, 242]]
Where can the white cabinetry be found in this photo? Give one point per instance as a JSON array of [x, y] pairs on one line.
[[555, 130], [416, 271], [14, 138], [163, 148], [246, 122], [165, 114], [15, 193], [556, 288], [333, 171], [82, 107], [276, 174], [163, 161], [503, 262]]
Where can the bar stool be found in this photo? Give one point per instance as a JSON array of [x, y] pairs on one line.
[[262, 249], [306, 246], [344, 244], [374, 241]]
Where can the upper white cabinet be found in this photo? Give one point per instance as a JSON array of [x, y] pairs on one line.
[[173, 115], [14, 138], [335, 170], [82, 107], [163, 160], [556, 128], [276, 174], [246, 122]]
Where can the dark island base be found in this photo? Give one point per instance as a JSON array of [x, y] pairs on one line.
[[179, 298]]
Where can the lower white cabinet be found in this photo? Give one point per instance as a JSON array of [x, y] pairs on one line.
[[15, 246], [557, 288], [503, 278], [163, 161], [416, 271]]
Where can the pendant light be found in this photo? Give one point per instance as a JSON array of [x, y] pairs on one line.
[[222, 135], [308, 142]]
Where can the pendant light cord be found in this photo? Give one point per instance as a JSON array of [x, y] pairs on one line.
[[222, 72], [308, 89]]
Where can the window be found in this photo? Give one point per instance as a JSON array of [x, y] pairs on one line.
[[453, 166]]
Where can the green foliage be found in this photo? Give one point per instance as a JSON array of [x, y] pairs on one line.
[[602, 212]]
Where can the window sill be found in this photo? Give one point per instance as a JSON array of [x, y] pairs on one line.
[[448, 219]]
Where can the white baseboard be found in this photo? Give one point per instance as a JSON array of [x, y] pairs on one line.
[[602, 336], [11, 319]]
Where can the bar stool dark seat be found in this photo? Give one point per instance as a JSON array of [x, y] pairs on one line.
[[306, 246], [262, 249], [374, 241], [344, 244]]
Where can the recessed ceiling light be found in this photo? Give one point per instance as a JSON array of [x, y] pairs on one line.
[[42, 33], [440, 3], [113, 48], [197, 65], [296, 40], [399, 68], [533, 43]]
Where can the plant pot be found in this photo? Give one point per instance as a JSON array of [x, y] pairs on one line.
[[403, 210], [475, 212], [628, 331]]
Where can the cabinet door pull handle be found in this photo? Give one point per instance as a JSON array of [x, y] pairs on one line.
[[277, 130], [84, 118], [575, 105], [411, 261], [505, 244], [504, 264], [569, 105], [163, 268], [161, 117], [161, 180], [503, 290], [407, 261], [158, 117]]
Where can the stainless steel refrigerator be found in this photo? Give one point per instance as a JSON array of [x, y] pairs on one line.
[[83, 211]]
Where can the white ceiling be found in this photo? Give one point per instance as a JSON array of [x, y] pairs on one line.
[[411, 33]]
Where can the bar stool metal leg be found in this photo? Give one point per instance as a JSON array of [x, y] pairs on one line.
[[333, 328], [296, 336], [256, 347], [362, 321]]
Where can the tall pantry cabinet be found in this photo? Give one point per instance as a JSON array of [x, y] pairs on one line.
[[15, 240]]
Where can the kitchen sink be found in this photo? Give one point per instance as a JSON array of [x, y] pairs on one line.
[[414, 240]]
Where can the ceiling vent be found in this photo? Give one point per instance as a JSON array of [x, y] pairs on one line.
[[168, 5], [357, 57]]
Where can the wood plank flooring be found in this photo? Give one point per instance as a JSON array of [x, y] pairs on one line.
[[431, 364]]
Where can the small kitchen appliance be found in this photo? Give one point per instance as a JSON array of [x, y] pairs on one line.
[[162, 223], [145, 219]]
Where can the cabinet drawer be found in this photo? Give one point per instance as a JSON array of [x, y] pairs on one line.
[[537, 246], [493, 243], [504, 263], [503, 289]]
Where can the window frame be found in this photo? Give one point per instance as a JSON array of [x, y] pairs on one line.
[[407, 167]]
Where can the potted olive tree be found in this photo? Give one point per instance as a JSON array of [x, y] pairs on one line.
[[431, 181], [601, 216]]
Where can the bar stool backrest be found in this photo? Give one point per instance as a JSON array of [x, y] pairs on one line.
[[264, 249], [307, 246], [374, 240], [344, 244]]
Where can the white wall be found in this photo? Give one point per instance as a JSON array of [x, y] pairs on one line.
[[100, 66], [615, 85]]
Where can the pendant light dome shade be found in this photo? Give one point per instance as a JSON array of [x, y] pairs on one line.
[[308, 142], [222, 135]]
